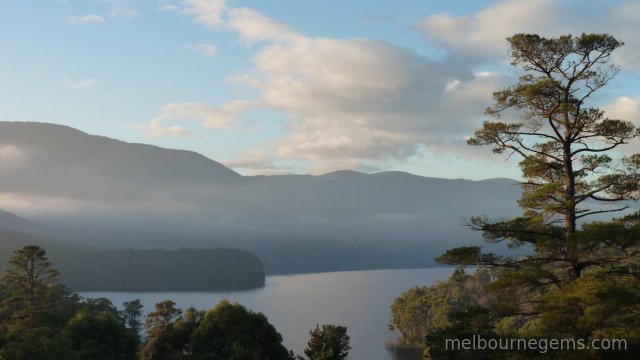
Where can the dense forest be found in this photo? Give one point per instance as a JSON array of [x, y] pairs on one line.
[[575, 294], [41, 320], [87, 269], [162, 270]]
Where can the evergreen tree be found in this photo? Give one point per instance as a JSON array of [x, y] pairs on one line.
[[158, 324], [330, 342], [132, 315], [575, 281], [561, 140], [563, 144], [32, 293]]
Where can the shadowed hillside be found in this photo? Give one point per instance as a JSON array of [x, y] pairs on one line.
[[110, 194]]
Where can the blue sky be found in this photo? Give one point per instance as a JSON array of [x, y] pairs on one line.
[[292, 86]]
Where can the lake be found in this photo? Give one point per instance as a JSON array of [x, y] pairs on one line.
[[294, 304]]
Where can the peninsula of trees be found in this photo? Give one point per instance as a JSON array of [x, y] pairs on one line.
[[162, 270], [184, 269]]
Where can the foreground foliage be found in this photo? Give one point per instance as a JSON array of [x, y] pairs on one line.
[[329, 342], [228, 331], [422, 310], [41, 320], [578, 281]]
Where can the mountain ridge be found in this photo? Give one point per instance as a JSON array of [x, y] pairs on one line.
[[108, 193], [44, 126]]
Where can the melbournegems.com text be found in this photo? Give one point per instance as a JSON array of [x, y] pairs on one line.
[[541, 345]]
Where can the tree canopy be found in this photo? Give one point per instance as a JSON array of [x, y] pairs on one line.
[[564, 148], [230, 331], [31, 288], [39, 319], [423, 310], [562, 142], [329, 342]]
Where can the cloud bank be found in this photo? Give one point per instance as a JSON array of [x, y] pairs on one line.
[[359, 103]]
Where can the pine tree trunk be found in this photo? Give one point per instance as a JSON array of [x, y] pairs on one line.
[[569, 195]]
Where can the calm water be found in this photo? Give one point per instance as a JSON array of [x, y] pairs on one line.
[[294, 304]]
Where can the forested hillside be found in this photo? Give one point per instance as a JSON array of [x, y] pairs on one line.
[[86, 269]]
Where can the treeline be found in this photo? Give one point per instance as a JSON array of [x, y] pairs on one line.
[[86, 269], [41, 320], [161, 270]]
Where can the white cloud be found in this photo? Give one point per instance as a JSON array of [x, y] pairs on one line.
[[481, 36], [170, 7], [352, 103], [253, 26], [210, 117], [206, 115], [446, 28], [484, 33], [206, 12], [625, 108], [121, 8], [82, 84], [86, 19], [258, 161], [452, 86], [206, 50], [626, 18], [358, 103], [254, 159], [246, 80], [352, 137], [155, 128]]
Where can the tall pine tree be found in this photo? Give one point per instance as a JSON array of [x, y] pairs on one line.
[[570, 171]]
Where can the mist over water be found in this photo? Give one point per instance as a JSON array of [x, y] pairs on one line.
[[294, 304]]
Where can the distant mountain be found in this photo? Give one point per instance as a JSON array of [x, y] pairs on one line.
[[108, 193], [13, 221], [59, 161]]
